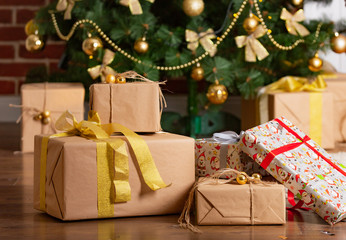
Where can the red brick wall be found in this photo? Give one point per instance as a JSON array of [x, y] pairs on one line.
[[14, 59]]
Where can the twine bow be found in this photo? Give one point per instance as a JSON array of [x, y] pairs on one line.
[[204, 38], [291, 21], [67, 6], [103, 70], [134, 5], [253, 47]]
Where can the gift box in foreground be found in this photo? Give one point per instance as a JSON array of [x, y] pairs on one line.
[[52, 97], [305, 168], [234, 204], [74, 179], [135, 105]]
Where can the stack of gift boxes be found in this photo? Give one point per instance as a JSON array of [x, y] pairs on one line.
[[81, 173]]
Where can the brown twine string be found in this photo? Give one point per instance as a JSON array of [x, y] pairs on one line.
[[184, 219]]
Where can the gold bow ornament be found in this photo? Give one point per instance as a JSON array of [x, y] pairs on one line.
[[103, 70], [253, 47], [134, 5], [292, 22], [67, 6], [204, 38], [117, 158]]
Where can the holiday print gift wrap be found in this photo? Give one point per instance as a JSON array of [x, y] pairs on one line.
[[305, 168], [54, 97]]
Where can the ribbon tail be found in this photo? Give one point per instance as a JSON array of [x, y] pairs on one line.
[[290, 28], [250, 55], [68, 11], [135, 7], [303, 31], [259, 49], [208, 45], [61, 5]]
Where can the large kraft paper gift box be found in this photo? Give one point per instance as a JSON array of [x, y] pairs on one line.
[[135, 105], [234, 204], [305, 168], [72, 179], [54, 97]]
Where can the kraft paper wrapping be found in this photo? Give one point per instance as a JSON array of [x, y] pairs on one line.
[[296, 106], [337, 86], [71, 186], [135, 105], [55, 97], [234, 204]]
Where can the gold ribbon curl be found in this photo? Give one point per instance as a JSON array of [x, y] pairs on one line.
[[67, 6], [103, 70], [204, 38], [134, 5], [253, 47], [291, 21]]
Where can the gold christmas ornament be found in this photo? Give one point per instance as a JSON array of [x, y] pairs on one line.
[[297, 2], [217, 93], [45, 114], [338, 43], [103, 69], [197, 72], [193, 8], [204, 38], [292, 22], [241, 179], [315, 63], [120, 79], [91, 44], [141, 45], [45, 120], [33, 43], [31, 28], [38, 117], [110, 78], [256, 176], [250, 24]]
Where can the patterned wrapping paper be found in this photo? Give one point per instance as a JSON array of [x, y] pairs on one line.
[[305, 168]]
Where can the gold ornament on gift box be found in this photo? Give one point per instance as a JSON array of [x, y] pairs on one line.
[[338, 43], [34, 43], [250, 24], [217, 93], [315, 63], [44, 117], [141, 45], [110, 78], [31, 27], [297, 2], [241, 178], [120, 79], [91, 44], [197, 72], [193, 8], [256, 176]]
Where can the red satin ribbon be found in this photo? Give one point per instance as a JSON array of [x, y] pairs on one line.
[[298, 205], [270, 156]]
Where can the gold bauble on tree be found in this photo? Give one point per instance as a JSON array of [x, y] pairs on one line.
[[315, 63], [193, 8], [297, 2], [141, 45], [31, 28], [34, 43], [338, 43], [250, 24], [91, 44], [217, 93], [197, 72]]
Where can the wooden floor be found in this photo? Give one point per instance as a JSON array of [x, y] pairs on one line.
[[18, 220]]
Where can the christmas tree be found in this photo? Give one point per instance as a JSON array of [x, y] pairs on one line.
[[222, 47]]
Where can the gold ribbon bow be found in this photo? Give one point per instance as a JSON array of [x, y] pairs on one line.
[[67, 6], [204, 38], [108, 151], [292, 25], [253, 47], [103, 70], [134, 5]]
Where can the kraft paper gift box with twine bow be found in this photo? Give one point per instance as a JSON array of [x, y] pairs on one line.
[[83, 173], [306, 169], [136, 105], [53, 97]]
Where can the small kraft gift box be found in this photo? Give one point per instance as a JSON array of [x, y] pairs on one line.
[[43, 103], [305, 168], [83, 173]]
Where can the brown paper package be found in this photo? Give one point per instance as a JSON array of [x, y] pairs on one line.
[[71, 186], [57, 98], [234, 204], [135, 105]]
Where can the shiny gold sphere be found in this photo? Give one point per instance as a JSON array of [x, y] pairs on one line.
[[45, 114], [31, 28], [250, 24], [33, 43], [38, 117], [256, 176], [141, 46], [46, 120], [120, 79], [197, 73], [241, 179], [110, 78], [297, 2], [315, 63], [338, 43], [193, 7], [91, 44], [217, 93]]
